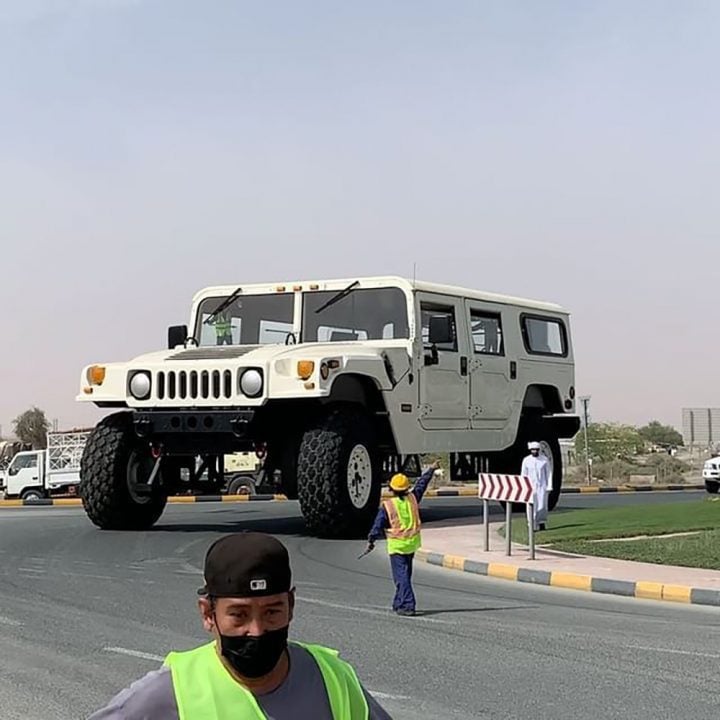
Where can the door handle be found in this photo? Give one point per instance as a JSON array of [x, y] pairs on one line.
[[513, 370], [463, 366]]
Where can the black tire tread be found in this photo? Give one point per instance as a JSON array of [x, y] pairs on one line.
[[103, 486], [322, 489]]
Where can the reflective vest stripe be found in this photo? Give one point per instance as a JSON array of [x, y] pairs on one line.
[[396, 529], [223, 325]]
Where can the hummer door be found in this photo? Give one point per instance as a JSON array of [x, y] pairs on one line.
[[490, 368], [444, 390]]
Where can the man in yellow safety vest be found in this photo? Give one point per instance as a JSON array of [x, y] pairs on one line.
[[399, 520], [249, 670], [223, 328]]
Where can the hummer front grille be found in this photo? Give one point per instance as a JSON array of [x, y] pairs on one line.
[[194, 384]]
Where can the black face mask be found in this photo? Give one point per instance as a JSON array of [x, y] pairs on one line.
[[254, 655]]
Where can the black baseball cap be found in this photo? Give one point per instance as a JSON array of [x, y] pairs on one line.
[[246, 564]]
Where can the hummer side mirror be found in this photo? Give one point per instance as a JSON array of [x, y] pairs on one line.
[[441, 329], [177, 335]]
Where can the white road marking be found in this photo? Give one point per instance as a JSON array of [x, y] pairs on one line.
[[134, 653], [9, 621], [674, 652], [387, 696], [370, 611]]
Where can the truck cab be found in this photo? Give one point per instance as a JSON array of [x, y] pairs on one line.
[[25, 476]]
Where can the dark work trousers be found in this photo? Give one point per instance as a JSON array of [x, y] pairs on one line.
[[402, 566]]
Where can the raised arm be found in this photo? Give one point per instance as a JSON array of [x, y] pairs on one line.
[[422, 484]]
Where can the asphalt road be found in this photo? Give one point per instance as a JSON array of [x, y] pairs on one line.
[[84, 612]]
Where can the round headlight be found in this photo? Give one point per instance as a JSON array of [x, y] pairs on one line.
[[140, 385], [251, 383]]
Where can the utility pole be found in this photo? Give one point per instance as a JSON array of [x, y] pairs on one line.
[[588, 473]]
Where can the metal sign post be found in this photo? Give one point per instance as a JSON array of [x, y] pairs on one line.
[[508, 528], [486, 524], [531, 529]]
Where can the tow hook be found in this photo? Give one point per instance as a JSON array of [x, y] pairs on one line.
[[157, 452]]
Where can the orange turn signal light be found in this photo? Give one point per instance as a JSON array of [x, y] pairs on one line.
[[305, 369], [96, 375]]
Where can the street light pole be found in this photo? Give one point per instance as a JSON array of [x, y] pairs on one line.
[[588, 475]]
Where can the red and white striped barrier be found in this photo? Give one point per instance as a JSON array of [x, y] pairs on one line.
[[510, 488]]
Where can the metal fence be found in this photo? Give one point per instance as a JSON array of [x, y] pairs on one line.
[[701, 427]]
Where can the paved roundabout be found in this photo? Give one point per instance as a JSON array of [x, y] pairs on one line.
[[84, 612]]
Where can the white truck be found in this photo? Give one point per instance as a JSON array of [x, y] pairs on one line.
[[37, 474], [711, 473], [336, 383]]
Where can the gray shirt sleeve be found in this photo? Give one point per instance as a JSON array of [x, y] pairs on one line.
[[150, 698]]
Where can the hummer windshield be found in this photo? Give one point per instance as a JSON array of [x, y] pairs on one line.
[[360, 314], [247, 320]]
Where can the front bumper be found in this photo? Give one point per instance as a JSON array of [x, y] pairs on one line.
[[196, 429], [711, 475]]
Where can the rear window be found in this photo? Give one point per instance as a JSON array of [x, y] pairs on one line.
[[544, 336], [486, 333]]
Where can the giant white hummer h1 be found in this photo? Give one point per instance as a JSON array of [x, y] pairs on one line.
[[337, 382]]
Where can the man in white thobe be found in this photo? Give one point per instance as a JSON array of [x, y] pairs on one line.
[[536, 467]]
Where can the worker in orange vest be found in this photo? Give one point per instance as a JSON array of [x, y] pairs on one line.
[[399, 520]]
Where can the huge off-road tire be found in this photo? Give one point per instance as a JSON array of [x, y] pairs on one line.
[[712, 486], [511, 461], [113, 461], [339, 475]]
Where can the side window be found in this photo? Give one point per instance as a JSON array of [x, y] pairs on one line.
[[544, 336], [25, 461], [428, 311], [486, 333]]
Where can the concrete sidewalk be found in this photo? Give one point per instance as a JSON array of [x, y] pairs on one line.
[[459, 546]]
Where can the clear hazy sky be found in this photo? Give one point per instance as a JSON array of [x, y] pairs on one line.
[[567, 151]]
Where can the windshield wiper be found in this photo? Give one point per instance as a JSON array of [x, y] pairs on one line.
[[338, 297], [225, 303]]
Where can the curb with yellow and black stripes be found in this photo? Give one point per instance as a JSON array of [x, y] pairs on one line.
[[448, 492], [571, 581]]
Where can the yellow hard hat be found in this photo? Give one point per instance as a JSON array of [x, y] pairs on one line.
[[400, 483]]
